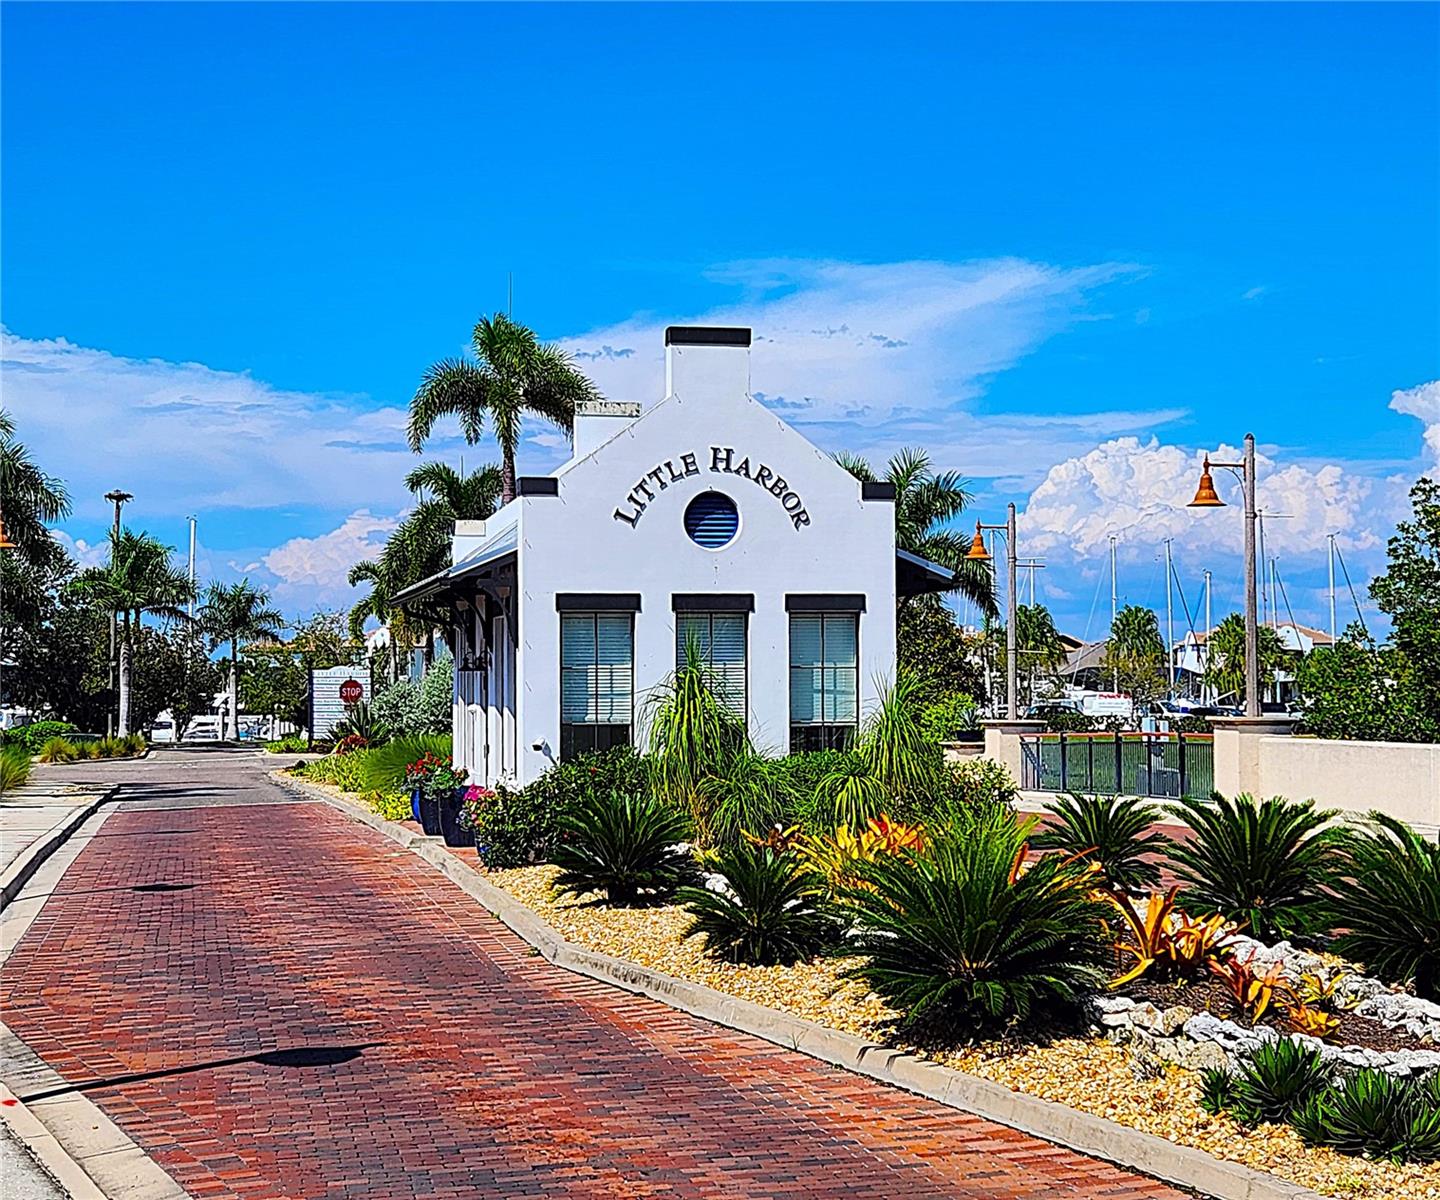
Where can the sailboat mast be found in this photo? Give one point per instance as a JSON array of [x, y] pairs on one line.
[[1169, 623], [1331, 557]]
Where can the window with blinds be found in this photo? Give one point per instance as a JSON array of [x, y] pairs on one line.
[[597, 681], [824, 680], [720, 639]]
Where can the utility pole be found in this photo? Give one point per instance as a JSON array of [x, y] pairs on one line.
[[1208, 626], [192, 567], [117, 498]]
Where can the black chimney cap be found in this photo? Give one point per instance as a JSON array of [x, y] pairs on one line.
[[706, 335]]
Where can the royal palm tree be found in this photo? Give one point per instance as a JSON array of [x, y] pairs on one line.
[[234, 613], [29, 501], [512, 373], [140, 580], [924, 503]]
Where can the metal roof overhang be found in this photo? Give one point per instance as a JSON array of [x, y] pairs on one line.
[[915, 575], [502, 545]]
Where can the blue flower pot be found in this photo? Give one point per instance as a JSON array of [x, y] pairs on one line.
[[450, 828], [415, 795]]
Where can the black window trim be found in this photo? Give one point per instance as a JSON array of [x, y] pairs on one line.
[[712, 602], [791, 724], [824, 602], [597, 602]]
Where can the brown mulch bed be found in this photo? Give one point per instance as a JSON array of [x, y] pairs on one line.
[[1207, 994]]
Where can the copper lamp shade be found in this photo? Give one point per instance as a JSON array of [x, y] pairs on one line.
[[1205, 494], [977, 552]]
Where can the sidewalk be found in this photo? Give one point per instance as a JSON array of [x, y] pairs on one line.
[[51, 797]]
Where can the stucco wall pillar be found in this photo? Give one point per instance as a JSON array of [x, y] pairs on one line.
[[1237, 751], [1002, 743]]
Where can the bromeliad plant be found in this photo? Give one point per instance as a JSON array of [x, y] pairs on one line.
[[626, 846], [1251, 990], [834, 857], [773, 912], [1163, 940]]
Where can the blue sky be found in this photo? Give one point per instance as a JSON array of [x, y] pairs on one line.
[[253, 227]]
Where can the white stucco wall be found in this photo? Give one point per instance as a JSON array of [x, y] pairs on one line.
[[574, 542], [1401, 779]]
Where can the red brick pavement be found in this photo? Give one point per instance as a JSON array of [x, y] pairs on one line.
[[485, 1070]]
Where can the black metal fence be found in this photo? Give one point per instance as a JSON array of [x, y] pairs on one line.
[[1131, 764]]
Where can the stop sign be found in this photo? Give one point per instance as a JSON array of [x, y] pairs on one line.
[[351, 691]]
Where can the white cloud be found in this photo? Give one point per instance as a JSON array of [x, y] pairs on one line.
[[1423, 402], [186, 438], [314, 568], [875, 356], [85, 554]]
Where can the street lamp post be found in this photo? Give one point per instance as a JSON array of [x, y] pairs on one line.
[[117, 498], [978, 553], [1207, 497]]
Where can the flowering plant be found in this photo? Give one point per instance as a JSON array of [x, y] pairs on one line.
[[351, 741], [473, 805], [434, 775]]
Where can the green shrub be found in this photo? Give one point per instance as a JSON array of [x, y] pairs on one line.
[[773, 914], [291, 743], [1190, 723], [14, 768], [1277, 1081], [1262, 863], [945, 719], [1375, 1114], [1389, 903], [58, 750], [851, 795], [799, 777], [135, 743], [340, 770], [894, 747], [30, 738], [624, 846], [89, 750], [419, 709], [111, 747], [1067, 720], [360, 722], [393, 806], [978, 783], [1113, 831], [1217, 1090], [958, 932]]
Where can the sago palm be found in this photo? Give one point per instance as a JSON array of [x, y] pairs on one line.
[[234, 613], [139, 581], [925, 504], [512, 373]]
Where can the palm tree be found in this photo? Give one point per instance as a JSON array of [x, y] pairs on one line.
[[29, 501], [233, 613], [423, 538], [1225, 658], [924, 503], [139, 580], [512, 374], [1039, 652], [385, 577]]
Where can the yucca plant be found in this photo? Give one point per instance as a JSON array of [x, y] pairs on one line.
[[626, 846], [1389, 903], [1263, 863], [14, 768], [1278, 1080], [58, 750], [773, 915], [692, 738], [1114, 831], [962, 930], [851, 795], [747, 797]]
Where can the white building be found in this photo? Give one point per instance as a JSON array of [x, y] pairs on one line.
[[705, 516]]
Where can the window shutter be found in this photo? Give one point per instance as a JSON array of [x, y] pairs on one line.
[[614, 668]]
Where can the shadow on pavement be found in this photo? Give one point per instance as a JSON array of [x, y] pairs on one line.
[[295, 1057]]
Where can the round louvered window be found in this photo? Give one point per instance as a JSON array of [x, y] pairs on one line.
[[711, 520]]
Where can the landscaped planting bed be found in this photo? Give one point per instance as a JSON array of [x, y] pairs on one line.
[[1084, 1071]]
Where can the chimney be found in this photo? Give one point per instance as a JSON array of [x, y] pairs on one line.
[[597, 421], [703, 361], [469, 536]]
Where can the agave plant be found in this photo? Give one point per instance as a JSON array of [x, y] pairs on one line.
[[1261, 863], [1389, 904], [772, 914], [1114, 831], [1280, 1078], [1375, 1114], [962, 930], [626, 846], [361, 722]]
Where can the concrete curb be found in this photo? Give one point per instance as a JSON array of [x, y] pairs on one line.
[[1046, 1119], [28, 861]]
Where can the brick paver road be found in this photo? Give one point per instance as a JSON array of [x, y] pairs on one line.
[[274, 1002]]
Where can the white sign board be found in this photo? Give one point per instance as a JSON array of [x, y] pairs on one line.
[[331, 690]]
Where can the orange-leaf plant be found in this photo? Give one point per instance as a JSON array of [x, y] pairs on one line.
[[1164, 938]]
